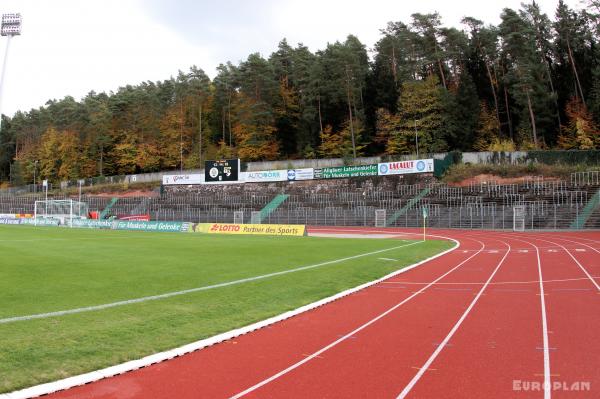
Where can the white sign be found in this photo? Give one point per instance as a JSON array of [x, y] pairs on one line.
[[301, 174], [266, 176], [183, 179], [404, 167], [45, 183]]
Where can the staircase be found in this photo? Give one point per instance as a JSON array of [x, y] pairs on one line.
[[392, 219], [272, 206], [106, 210]]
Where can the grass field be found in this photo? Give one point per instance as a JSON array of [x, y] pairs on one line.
[[49, 269]]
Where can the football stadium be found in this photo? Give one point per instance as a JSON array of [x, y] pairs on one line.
[[416, 220]]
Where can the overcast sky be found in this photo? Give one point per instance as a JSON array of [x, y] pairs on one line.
[[70, 47]]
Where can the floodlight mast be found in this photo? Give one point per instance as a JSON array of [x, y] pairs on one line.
[[10, 27]]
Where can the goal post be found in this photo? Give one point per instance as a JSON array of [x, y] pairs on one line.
[[519, 218], [380, 217], [62, 210]]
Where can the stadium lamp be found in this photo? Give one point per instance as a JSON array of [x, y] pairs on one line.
[[10, 26]]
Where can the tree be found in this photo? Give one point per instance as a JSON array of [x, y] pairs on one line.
[[421, 113], [581, 132], [254, 130], [487, 129]]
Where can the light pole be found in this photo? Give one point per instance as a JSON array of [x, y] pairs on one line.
[[10, 26], [416, 139]]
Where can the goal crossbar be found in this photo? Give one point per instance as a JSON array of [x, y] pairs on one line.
[[62, 210]]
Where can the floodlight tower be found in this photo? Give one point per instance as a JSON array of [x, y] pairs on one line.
[[10, 27]]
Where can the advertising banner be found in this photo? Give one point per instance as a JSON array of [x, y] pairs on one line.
[[253, 229], [144, 217], [266, 176], [41, 222], [405, 167], [92, 223], [173, 227], [8, 216], [169, 180], [5, 220], [223, 170], [300, 174], [346, 171]]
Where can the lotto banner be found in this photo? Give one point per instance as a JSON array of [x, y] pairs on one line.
[[405, 167], [253, 229]]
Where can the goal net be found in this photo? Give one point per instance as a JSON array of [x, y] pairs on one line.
[[519, 218], [62, 210]]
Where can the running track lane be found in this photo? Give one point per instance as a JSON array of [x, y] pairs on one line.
[[573, 313], [377, 361]]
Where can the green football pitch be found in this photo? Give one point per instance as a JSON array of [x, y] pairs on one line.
[[73, 301]]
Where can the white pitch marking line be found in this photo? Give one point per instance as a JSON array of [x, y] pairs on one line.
[[351, 333], [576, 261], [191, 290], [441, 346], [389, 259]]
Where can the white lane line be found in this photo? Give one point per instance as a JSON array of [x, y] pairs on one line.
[[351, 333], [494, 283], [547, 382], [576, 261], [547, 375], [192, 290], [443, 344]]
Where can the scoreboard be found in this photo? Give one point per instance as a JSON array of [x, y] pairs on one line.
[[223, 170]]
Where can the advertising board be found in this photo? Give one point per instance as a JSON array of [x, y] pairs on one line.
[[169, 180], [266, 176], [300, 174], [340, 172], [224, 170], [405, 167], [253, 229]]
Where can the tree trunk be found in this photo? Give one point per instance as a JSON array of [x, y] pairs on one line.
[[575, 70], [223, 123], [229, 116], [442, 73], [350, 112], [181, 135], [200, 134], [493, 87], [510, 126], [394, 72], [320, 117], [532, 116]]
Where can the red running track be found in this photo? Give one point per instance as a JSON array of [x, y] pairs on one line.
[[503, 316]]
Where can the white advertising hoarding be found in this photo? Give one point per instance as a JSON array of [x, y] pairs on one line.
[[405, 167], [266, 176], [301, 174], [183, 179]]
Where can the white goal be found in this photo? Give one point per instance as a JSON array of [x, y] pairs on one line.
[[62, 210], [519, 218]]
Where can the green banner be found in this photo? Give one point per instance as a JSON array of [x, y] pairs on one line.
[[92, 223], [346, 171], [150, 226], [41, 222]]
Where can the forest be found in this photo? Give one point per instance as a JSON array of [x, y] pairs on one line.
[[532, 82]]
